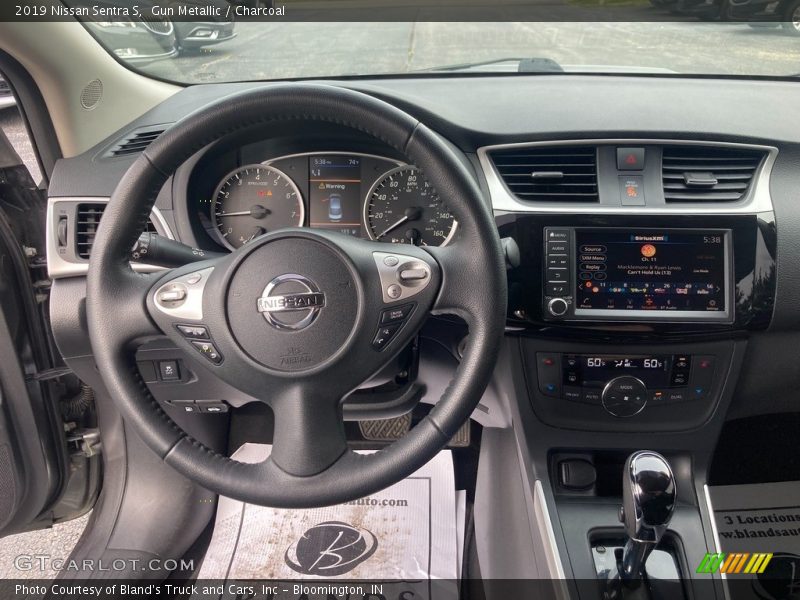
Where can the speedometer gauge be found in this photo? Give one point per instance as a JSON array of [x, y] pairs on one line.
[[402, 207], [254, 200]]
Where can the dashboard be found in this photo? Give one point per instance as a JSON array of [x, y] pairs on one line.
[[634, 237], [354, 193]]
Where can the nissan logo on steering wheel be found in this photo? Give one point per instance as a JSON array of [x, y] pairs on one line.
[[291, 302]]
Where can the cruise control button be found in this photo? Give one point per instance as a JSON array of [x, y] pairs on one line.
[[391, 261], [398, 313], [394, 291], [193, 332], [208, 350], [384, 336]]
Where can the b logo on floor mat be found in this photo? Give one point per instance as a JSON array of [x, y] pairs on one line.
[[331, 548]]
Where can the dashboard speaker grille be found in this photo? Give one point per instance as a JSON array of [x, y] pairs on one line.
[[708, 173], [87, 220], [92, 94], [549, 173]]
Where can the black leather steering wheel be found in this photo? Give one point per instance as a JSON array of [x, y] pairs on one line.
[[293, 315]]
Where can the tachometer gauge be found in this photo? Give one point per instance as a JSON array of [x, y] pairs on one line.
[[402, 207], [254, 200]]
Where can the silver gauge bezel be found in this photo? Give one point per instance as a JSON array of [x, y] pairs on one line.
[[261, 166], [374, 187]]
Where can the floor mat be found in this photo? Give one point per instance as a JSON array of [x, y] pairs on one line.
[[758, 526], [408, 532]]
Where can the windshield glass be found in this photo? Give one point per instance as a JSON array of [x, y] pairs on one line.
[[227, 49]]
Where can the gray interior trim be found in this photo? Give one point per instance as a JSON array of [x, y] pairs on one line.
[[59, 267], [757, 200], [717, 545], [545, 524]]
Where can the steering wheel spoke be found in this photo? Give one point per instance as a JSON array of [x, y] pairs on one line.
[[309, 431]]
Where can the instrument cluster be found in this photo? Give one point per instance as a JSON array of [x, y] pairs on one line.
[[357, 194]]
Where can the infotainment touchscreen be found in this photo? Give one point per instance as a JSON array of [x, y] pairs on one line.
[[648, 271]]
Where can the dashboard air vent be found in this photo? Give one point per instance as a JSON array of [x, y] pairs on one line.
[[549, 173], [708, 173], [86, 223], [136, 141]]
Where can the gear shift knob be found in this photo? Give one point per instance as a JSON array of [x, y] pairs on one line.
[[648, 500]]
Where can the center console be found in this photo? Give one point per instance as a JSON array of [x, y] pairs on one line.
[[631, 330]]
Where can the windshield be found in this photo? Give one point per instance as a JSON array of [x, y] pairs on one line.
[[230, 50]]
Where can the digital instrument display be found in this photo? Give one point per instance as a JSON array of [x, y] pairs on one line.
[[335, 195], [646, 272]]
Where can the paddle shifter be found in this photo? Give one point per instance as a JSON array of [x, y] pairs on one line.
[[648, 499]]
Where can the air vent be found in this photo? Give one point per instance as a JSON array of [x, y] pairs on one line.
[[550, 173], [708, 173], [87, 221], [136, 141]]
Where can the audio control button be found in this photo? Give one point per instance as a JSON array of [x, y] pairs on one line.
[[557, 307], [624, 396]]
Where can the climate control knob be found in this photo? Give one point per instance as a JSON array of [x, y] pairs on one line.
[[624, 396], [557, 307]]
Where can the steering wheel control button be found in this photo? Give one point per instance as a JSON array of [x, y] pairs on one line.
[[182, 297], [413, 274], [398, 313], [209, 351], [401, 279], [172, 295], [187, 406], [212, 407], [169, 370], [194, 332], [385, 335], [624, 396]]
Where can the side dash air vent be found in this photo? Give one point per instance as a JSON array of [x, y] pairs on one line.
[[549, 173], [86, 224], [136, 141], [708, 173]]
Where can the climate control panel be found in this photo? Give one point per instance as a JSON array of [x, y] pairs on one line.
[[625, 384]]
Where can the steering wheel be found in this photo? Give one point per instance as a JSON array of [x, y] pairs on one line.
[[294, 317]]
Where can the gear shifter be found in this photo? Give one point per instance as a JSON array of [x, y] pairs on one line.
[[648, 500]]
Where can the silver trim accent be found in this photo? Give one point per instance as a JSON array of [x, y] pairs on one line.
[[757, 200], [59, 268], [374, 186], [610, 383], [314, 301], [390, 276], [190, 309], [547, 525], [715, 534]]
